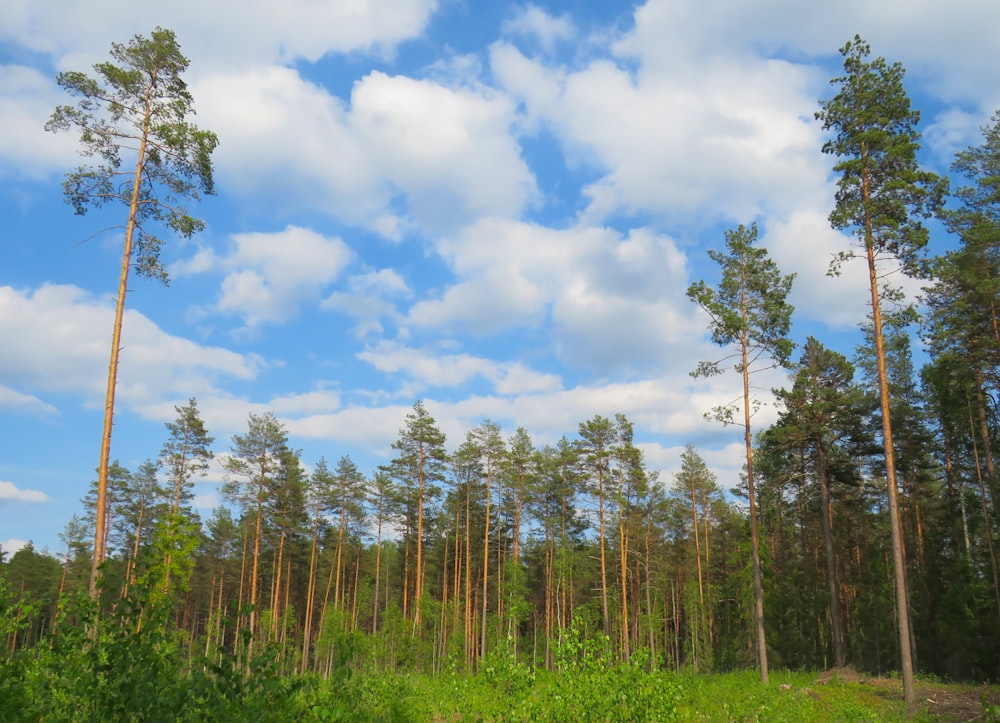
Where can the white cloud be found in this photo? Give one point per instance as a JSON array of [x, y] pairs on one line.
[[11, 546], [13, 400], [9, 492], [57, 341], [805, 245], [447, 153], [946, 49], [614, 302], [450, 151], [222, 33], [270, 275], [369, 298], [27, 99], [728, 138], [305, 403], [534, 22], [436, 368]]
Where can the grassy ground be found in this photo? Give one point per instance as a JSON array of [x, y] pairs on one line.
[[622, 695]]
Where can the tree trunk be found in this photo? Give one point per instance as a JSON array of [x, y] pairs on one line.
[[826, 516], [100, 521], [310, 595], [895, 523], [758, 588]]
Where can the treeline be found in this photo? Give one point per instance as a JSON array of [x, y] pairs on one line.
[[435, 560]]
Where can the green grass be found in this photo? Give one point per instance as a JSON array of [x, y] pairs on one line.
[[628, 694]]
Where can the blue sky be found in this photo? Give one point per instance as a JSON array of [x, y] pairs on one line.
[[493, 207]]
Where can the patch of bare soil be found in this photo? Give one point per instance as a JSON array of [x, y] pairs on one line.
[[947, 703]]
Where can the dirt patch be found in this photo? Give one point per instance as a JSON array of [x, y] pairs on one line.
[[952, 703]]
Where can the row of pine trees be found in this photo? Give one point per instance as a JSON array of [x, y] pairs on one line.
[[436, 559]]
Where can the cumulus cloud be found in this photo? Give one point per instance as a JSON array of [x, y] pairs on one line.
[[435, 368], [730, 138], [13, 400], [268, 276], [255, 31], [11, 546], [614, 302], [10, 492], [402, 152], [535, 23], [370, 296], [27, 99], [57, 337]]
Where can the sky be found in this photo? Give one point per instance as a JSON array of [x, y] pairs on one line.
[[492, 207]]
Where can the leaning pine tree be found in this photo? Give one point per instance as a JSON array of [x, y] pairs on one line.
[[136, 107], [749, 314], [881, 194]]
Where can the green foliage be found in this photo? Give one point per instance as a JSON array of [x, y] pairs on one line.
[[138, 104], [991, 711], [580, 646], [881, 191], [504, 672], [132, 665], [748, 309]]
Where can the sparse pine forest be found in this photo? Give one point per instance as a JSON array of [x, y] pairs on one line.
[[495, 578]]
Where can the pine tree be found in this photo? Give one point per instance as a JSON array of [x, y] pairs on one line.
[[881, 194], [137, 107], [254, 462], [821, 415], [419, 468], [749, 313], [597, 438]]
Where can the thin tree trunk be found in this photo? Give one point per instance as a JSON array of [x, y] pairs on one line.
[[649, 601], [895, 524], [604, 564], [276, 588], [758, 588], [254, 570], [826, 516], [986, 519], [129, 568], [419, 591], [469, 634], [339, 558], [100, 521], [310, 595], [984, 432], [243, 575], [623, 548], [486, 569], [378, 567]]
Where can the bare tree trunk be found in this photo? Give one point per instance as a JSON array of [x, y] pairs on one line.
[[310, 595], [986, 518], [604, 564], [486, 570], [100, 521], [419, 591], [623, 548], [895, 524], [836, 615], [758, 588]]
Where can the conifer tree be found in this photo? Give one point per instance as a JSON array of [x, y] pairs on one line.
[[419, 467], [821, 415], [881, 195], [749, 313], [136, 107], [254, 462]]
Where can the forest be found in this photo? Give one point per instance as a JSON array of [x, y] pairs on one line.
[[861, 538]]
